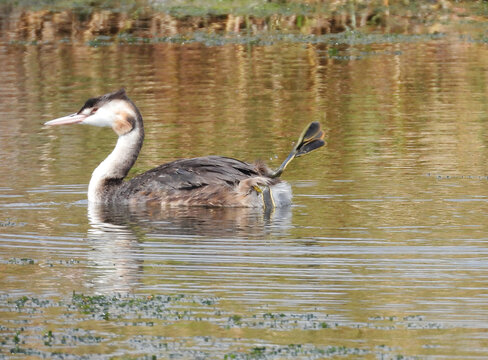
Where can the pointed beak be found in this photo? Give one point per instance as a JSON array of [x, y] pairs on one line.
[[65, 120]]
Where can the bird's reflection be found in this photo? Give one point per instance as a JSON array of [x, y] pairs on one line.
[[116, 265], [117, 235]]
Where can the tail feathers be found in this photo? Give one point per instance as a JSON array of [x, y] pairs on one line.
[[310, 139]]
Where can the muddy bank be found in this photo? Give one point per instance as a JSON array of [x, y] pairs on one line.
[[24, 24]]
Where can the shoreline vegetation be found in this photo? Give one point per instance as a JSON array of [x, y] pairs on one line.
[[143, 20]]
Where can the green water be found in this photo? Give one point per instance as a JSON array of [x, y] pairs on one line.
[[383, 254]]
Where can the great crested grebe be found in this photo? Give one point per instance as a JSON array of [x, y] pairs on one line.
[[213, 181]]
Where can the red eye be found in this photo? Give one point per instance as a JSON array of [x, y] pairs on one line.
[[93, 111]]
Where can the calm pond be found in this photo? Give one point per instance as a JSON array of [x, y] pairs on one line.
[[384, 253]]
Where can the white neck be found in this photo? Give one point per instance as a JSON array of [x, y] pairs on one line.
[[116, 165]]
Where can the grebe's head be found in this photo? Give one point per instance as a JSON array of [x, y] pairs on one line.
[[113, 110]]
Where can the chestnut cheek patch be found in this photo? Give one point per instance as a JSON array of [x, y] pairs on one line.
[[123, 124]]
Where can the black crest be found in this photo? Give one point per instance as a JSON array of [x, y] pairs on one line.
[[99, 101]]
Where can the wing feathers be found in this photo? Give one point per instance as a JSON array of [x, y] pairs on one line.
[[190, 174]]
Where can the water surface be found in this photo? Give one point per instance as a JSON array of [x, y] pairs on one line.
[[382, 255]]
